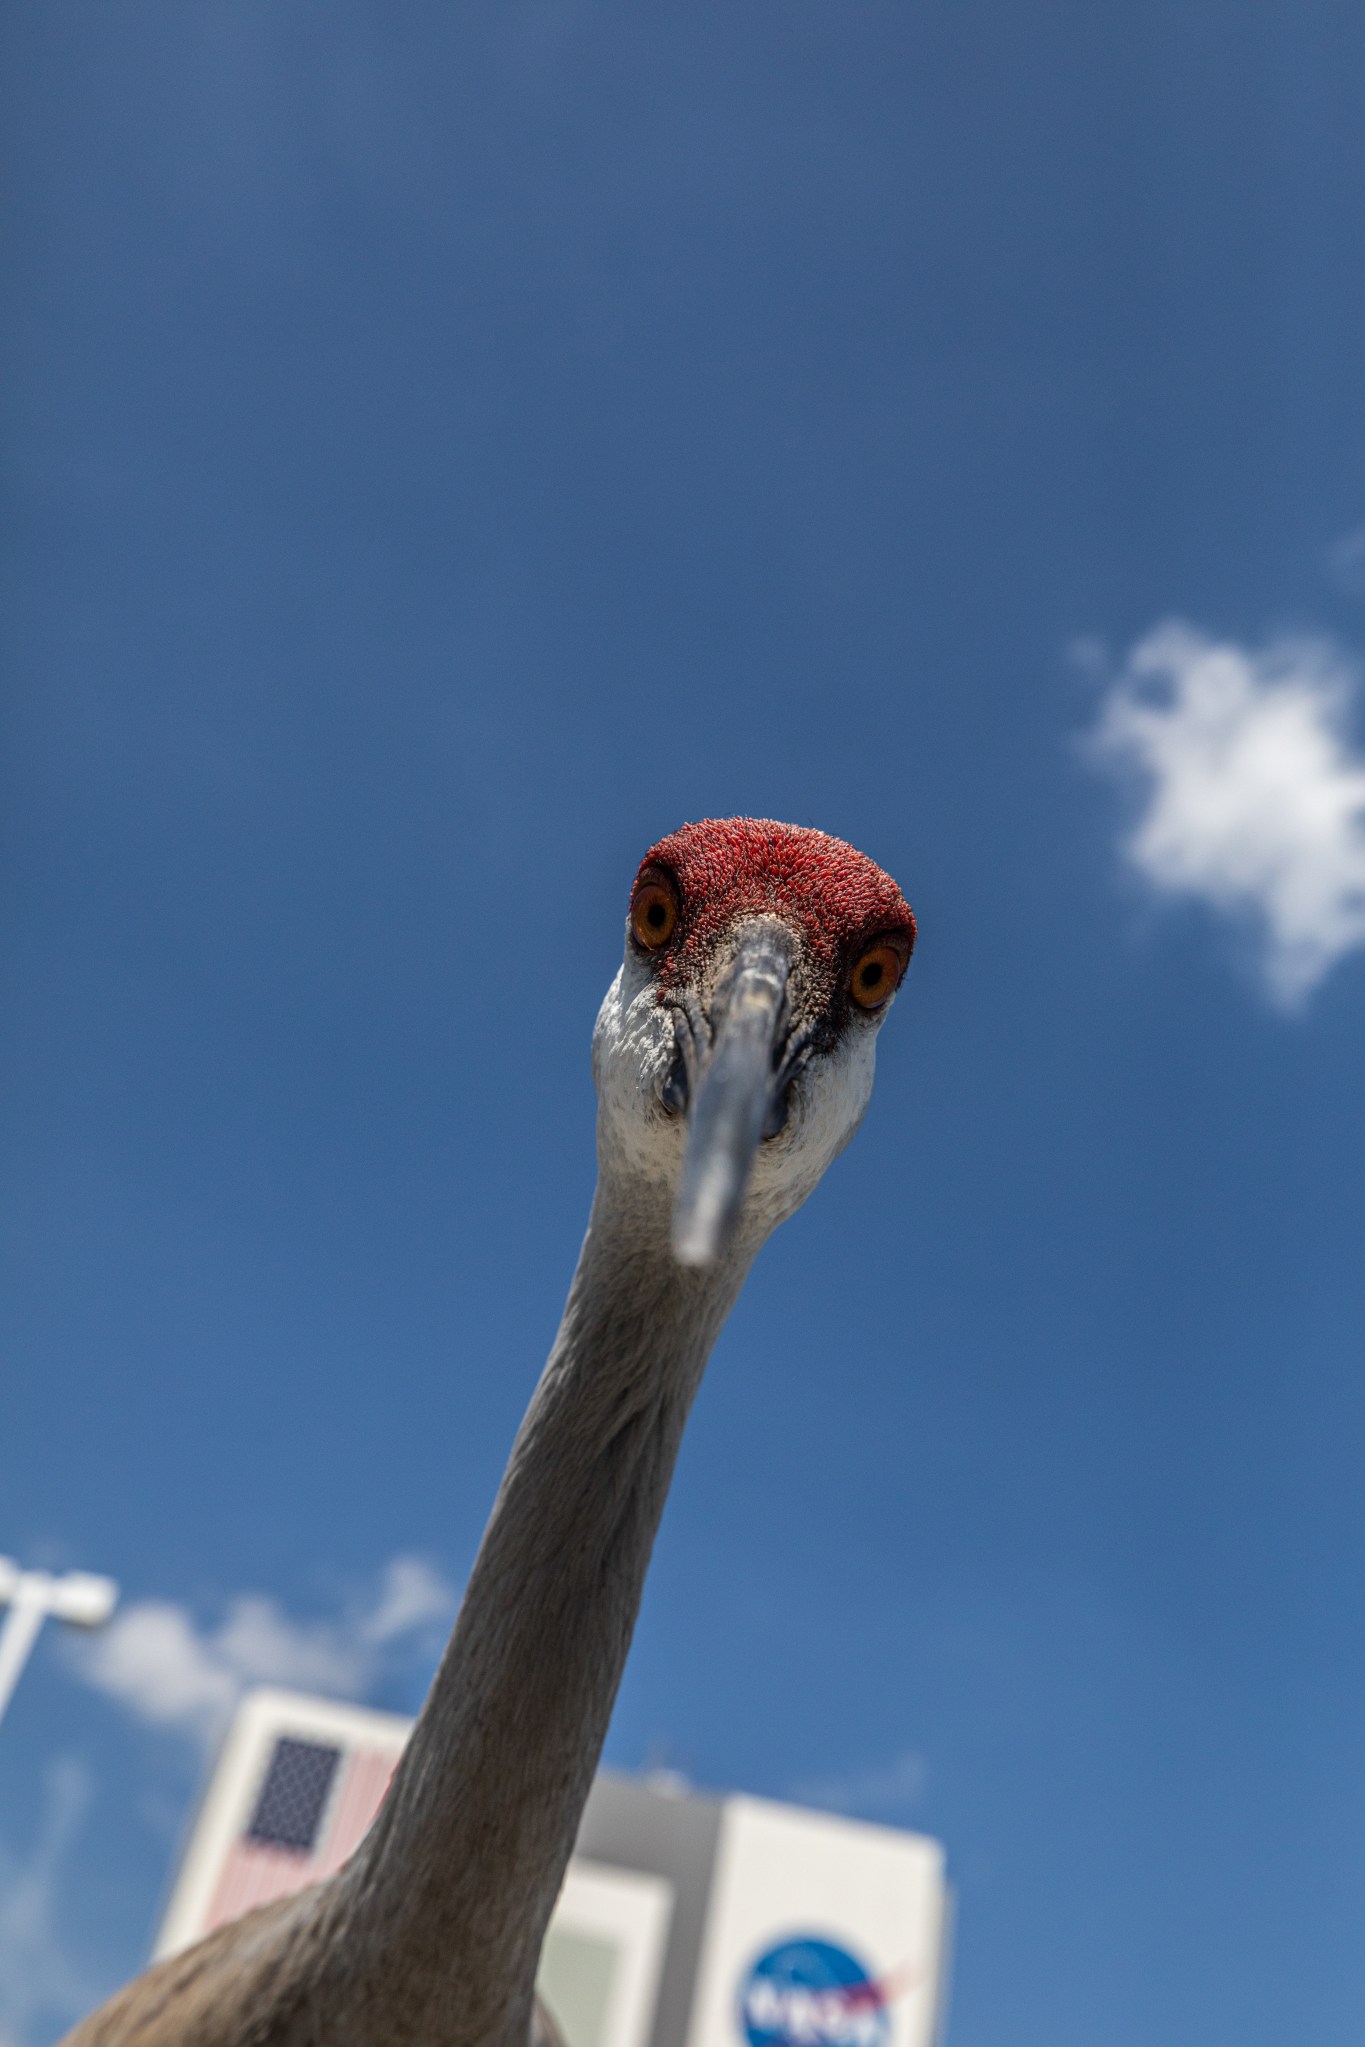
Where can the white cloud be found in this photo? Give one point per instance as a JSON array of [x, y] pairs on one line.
[[40, 1987], [413, 1599], [170, 1670], [884, 1792], [1252, 797]]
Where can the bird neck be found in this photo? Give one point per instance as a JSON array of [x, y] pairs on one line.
[[458, 1878]]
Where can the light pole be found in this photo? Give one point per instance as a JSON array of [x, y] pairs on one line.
[[78, 1597]]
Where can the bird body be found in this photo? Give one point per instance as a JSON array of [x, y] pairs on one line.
[[733, 1059]]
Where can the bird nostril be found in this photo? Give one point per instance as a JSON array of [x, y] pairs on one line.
[[673, 1094]]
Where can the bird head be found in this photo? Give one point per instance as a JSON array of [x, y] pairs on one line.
[[734, 1052]]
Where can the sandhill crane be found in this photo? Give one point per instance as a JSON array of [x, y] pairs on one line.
[[733, 1060]]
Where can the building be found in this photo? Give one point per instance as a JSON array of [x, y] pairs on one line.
[[684, 1921]]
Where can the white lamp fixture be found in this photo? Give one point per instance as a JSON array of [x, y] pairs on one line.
[[80, 1598]]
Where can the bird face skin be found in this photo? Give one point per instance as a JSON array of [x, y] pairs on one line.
[[734, 1052]]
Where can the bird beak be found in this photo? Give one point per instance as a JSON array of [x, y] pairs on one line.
[[733, 1097]]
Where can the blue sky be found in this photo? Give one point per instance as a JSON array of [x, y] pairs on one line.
[[444, 450]]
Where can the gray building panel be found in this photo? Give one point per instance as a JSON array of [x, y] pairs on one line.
[[641, 1826]]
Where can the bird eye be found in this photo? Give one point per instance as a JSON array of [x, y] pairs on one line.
[[653, 914], [877, 976]]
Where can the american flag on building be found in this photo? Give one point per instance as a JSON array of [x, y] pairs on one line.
[[299, 1784], [315, 1803]]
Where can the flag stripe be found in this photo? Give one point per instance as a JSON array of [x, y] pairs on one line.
[[369, 1772]]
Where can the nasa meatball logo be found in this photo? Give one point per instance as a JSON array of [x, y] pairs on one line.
[[810, 1993]]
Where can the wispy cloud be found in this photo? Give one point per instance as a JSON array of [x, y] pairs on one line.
[[172, 1670], [413, 1599], [40, 1986], [1346, 562], [884, 1792], [1251, 795]]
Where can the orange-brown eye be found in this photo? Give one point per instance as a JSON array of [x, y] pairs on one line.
[[653, 914], [876, 976]]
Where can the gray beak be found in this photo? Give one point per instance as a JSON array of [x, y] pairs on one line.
[[733, 1097]]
